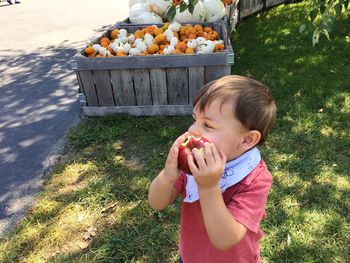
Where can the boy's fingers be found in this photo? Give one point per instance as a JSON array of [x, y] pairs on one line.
[[215, 153], [199, 158], [209, 159], [191, 164]]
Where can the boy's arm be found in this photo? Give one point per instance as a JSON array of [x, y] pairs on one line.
[[223, 230], [162, 192]]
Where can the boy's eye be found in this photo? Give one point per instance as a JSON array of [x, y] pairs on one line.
[[208, 126]]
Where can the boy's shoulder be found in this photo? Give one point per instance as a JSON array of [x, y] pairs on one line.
[[259, 178], [260, 173]]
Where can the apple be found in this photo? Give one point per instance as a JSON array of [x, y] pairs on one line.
[[186, 148]]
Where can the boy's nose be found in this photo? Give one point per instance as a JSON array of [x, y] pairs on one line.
[[194, 130]]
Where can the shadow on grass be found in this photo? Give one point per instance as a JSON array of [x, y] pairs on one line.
[[122, 162]]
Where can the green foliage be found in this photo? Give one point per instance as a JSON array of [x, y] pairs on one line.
[[322, 15]]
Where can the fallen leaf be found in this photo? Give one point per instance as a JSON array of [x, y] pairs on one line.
[[84, 244], [90, 232]]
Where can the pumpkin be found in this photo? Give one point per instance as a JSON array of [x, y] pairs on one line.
[[191, 31], [214, 10], [189, 51], [114, 34], [157, 6], [149, 29], [186, 16], [149, 18], [154, 48], [181, 46], [207, 29], [219, 47], [160, 39], [135, 11], [138, 34], [198, 28], [120, 54], [89, 50], [105, 41], [158, 31], [134, 2]]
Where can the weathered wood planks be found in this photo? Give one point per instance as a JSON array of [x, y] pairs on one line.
[[149, 85]]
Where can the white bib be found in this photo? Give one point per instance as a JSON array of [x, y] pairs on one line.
[[235, 171]]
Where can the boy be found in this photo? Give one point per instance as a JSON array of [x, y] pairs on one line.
[[224, 198]]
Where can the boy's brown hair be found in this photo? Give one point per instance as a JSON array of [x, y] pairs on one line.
[[252, 101]]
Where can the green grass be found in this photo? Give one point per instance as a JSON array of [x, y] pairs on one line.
[[94, 206]]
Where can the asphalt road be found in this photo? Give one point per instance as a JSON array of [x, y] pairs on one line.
[[38, 91]]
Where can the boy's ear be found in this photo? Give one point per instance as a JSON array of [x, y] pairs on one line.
[[251, 138]]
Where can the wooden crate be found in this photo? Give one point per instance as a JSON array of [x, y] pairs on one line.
[[249, 7], [148, 85]]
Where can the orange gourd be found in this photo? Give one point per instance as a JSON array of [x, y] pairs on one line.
[[182, 46], [189, 51], [89, 50], [138, 34], [154, 48], [114, 33], [160, 39]]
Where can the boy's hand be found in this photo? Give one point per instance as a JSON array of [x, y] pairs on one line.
[[209, 168], [171, 170]]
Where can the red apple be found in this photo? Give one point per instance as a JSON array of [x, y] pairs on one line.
[[186, 148]]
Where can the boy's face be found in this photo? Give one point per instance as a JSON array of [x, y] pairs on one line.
[[218, 124]]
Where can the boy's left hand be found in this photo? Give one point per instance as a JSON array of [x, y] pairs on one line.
[[210, 166]]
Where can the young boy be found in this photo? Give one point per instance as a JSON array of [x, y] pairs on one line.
[[224, 198]]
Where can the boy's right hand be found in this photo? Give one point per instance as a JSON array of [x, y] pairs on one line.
[[171, 170]]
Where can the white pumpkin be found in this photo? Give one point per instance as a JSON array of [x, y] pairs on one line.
[[135, 11], [168, 50], [214, 10], [206, 48], [198, 15], [149, 18], [134, 51], [174, 41], [192, 44], [133, 2], [157, 6], [174, 26]]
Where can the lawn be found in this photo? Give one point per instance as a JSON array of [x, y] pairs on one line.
[[94, 205]]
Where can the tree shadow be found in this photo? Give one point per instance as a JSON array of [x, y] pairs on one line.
[[125, 163]]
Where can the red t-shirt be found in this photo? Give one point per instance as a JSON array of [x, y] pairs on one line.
[[245, 201]]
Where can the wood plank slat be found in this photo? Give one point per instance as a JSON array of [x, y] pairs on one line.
[[270, 3], [213, 73], [103, 87], [158, 86], [123, 87], [151, 110], [142, 86], [177, 83], [195, 81], [88, 87]]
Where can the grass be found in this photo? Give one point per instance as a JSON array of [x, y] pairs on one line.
[[94, 205]]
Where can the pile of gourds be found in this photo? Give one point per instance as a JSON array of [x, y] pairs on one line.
[[182, 11], [170, 39]]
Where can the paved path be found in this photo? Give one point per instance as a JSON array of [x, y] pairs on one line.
[[38, 91]]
